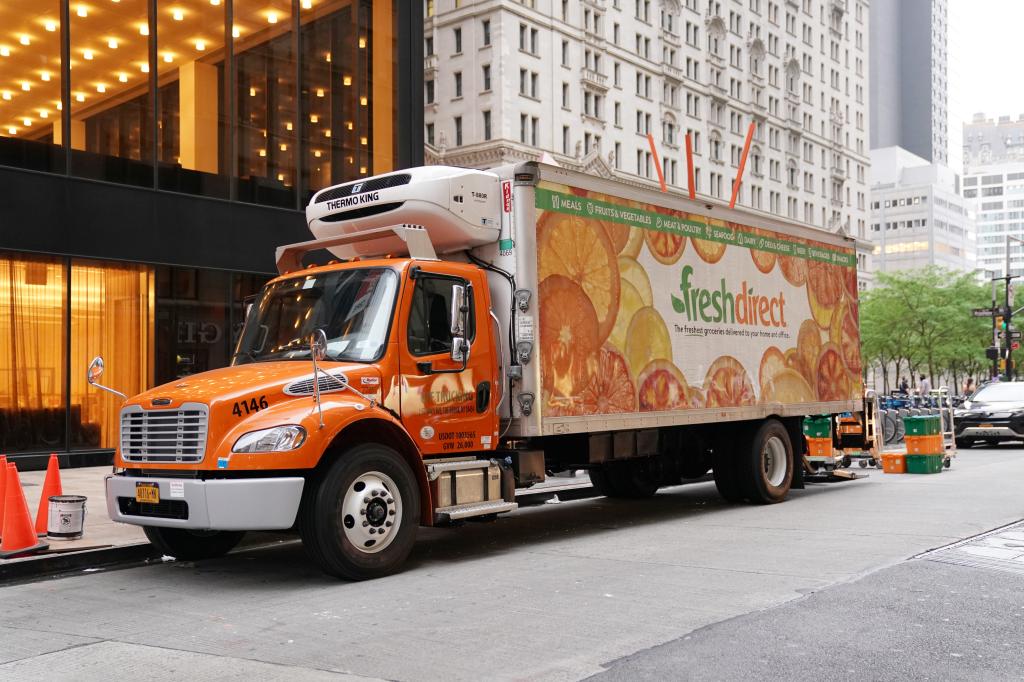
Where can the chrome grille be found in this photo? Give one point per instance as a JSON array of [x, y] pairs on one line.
[[164, 435], [327, 383]]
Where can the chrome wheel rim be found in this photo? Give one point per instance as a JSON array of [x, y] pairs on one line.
[[773, 455], [371, 512]]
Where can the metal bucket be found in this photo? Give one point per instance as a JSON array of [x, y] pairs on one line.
[[67, 517]]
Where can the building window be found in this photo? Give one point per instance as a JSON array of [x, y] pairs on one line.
[[524, 128], [430, 134], [428, 46], [565, 140], [535, 131], [485, 29], [428, 87], [458, 84], [565, 95], [457, 33], [487, 125], [565, 53], [486, 77], [458, 131]]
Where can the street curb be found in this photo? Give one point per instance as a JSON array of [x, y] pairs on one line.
[[53, 564]]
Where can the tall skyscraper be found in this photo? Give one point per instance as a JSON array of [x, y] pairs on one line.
[[909, 80], [582, 83]]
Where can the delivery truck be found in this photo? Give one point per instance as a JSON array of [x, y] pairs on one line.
[[464, 333]]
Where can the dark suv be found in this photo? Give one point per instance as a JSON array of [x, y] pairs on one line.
[[994, 414]]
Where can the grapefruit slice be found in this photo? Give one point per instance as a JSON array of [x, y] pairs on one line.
[[610, 389], [808, 344], [763, 260], [580, 250], [665, 246], [844, 334], [568, 335], [772, 362], [630, 301], [794, 269], [662, 387], [647, 339], [709, 251], [634, 273], [727, 384], [825, 287], [834, 382]]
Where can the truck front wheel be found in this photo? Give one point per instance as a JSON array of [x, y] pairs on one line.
[[192, 545], [765, 465], [360, 522]]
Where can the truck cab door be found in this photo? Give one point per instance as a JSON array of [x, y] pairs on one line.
[[448, 410]]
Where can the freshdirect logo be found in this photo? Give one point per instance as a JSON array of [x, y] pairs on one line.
[[721, 305]]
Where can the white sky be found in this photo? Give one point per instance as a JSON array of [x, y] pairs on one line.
[[986, 45]]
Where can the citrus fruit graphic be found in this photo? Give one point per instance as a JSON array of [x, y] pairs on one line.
[[610, 388], [764, 260], [772, 362], [709, 251], [634, 243], [666, 247], [794, 269], [788, 386], [845, 335], [647, 339], [634, 273], [727, 384], [568, 334], [851, 282], [834, 382], [825, 287], [630, 301], [661, 386], [794, 360], [808, 344], [580, 250], [696, 397]]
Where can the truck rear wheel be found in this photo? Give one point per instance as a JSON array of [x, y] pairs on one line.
[[192, 545], [765, 465], [360, 522]]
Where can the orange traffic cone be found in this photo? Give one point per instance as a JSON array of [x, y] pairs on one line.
[[3, 490], [19, 538], [51, 486]]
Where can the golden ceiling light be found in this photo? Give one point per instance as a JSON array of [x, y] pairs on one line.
[[284, 147], [313, 118], [83, 11], [288, 126], [319, 92], [236, 32], [364, 141], [12, 130], [59, 105], [25, 40], [263, 152], [112, 43], [87, 54], [45, 76], [280, 178], [214, 2], [144, 67], [80, 96], [27, 121], [307, 4], [123, 77], [349, 125], [317, 153], [252, 91], [26, 86], [271, 17], [362, 169], [101, 88], [143, 29], [362, 42], [177, 13], [43, 113], [363, 101], [50, 25], [6, 94], [346, 80], [327, 57], [168, 57], [201, 45], [5, 51], [327, 133]]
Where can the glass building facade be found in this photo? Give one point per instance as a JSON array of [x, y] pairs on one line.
[[152, 155]]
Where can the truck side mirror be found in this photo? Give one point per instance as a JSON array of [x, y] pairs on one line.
[[459, 311], [460, 350], [95, 370], [318, 345]]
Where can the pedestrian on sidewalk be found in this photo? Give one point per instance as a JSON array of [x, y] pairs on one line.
[[924, 387]]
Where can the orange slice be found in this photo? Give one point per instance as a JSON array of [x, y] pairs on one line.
[[772, 362], [808, 343], [634, 273], [824, 289], [647, 340], [709, 251], [665, 246], [662, 387], [794, 269], [630, 301], [634, 243], [568, 335], [727, 384], [834, 381], [610, 389], [844, 333], [580, 250], [788, 387], [764, 260]]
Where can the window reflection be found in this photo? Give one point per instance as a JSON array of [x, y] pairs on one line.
[[30, 78]]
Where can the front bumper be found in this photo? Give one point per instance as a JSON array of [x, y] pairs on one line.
[[221, 504], [991, 432]]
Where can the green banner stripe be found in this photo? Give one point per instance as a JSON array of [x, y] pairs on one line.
[[549, 200]]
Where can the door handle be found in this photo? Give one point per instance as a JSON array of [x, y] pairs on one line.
[[483, 396]]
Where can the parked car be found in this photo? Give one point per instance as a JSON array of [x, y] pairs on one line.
[[994, 414]]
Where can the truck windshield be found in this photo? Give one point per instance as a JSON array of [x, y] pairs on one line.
[[353, 307]]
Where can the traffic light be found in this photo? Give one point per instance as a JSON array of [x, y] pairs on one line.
[[1001, 323]]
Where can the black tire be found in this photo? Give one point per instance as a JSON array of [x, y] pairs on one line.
[[765, 464], [193, 545], [724, 467], [327, 530], [630, 478]]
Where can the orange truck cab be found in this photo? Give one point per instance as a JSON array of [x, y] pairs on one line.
[[468, 339]]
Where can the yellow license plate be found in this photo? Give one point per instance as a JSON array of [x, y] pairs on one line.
[[147, 493], [984, 426]]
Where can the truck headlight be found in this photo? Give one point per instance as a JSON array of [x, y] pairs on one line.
[[277, 439]]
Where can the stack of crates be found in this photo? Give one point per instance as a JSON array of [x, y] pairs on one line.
[[925, 449], [818, 432]]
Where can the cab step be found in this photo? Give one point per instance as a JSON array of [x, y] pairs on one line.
[[465, 511]]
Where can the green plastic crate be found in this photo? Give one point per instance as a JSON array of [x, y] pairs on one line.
[[818, 427], [924, 464], [921, 425]]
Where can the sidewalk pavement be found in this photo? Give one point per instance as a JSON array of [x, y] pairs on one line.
[[102, 541]]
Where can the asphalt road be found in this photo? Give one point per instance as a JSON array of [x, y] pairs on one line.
[[821, 587]]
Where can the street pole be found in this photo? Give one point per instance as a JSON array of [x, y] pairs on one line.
[[995, 328]]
